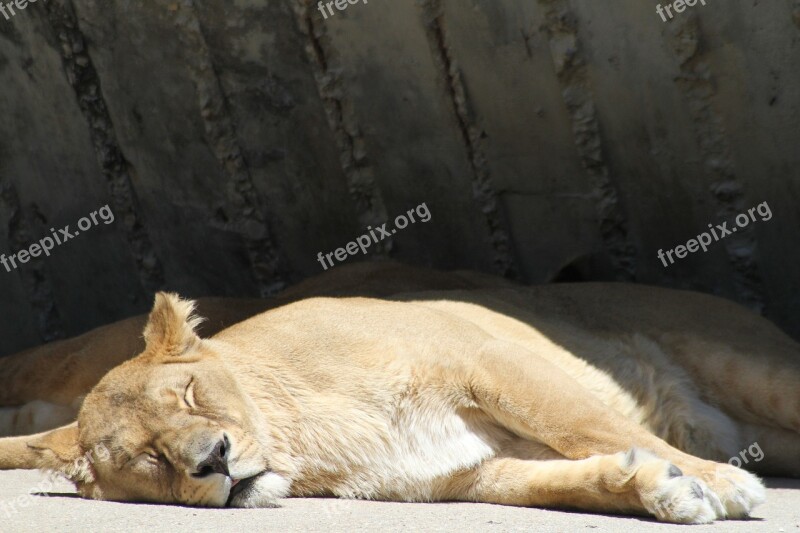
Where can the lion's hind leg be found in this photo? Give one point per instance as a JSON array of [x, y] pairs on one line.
[[771, 451], [536, 400], [635, 482], [755, 380]]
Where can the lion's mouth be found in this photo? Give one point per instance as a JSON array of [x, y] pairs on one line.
[[238, 486]]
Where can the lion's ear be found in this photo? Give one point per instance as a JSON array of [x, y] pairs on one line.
[[170, 330], [58, 450]]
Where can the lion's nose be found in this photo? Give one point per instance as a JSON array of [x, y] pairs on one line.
[[217, 460]]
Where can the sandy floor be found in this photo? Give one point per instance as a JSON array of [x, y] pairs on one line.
[[62, 511]]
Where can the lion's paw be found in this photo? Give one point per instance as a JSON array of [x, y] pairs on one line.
[[669, 495], [739, 490]]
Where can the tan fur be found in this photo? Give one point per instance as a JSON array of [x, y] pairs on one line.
[[603, 397], [64, 371], [43, 387]]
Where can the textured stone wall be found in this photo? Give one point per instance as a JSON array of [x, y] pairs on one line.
[[550, 139]]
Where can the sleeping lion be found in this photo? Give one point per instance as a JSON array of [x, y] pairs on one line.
[[601, 397]]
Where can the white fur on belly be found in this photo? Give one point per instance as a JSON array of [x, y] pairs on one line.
[[433, 441], [400, 453]]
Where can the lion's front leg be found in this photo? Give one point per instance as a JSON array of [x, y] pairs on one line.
[[635, 482], [535, 399]]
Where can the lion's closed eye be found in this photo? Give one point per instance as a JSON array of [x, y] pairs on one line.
[[188, 395], [146, 460]]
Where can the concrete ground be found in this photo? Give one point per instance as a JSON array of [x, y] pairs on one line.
[[61, 510]]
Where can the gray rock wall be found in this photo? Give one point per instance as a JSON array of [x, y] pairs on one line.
[[234, 141]]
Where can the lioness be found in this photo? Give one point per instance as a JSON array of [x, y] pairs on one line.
[[43, 387], [602, 397]]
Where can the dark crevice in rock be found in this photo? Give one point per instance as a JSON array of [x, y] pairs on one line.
[[573, 76], [358, 171], [26, 225], [483, 190], [245, 210], [696, 82], [119, 173]]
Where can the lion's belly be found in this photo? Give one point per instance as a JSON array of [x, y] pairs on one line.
[[403, 456]]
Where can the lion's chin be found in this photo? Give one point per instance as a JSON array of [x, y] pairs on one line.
[[259, 491], [240, 485]]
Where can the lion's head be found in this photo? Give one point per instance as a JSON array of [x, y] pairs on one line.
[[173, 425]]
